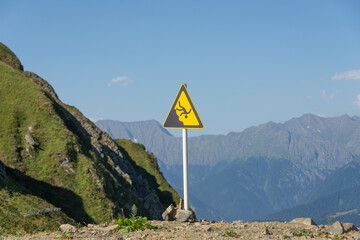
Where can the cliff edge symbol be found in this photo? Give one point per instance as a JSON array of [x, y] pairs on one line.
[[183, 113]]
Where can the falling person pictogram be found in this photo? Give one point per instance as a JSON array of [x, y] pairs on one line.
[[183, 110]]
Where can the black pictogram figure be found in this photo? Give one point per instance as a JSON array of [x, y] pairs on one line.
[[183, 110]]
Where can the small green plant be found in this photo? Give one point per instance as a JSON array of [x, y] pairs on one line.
[[133, 224], [285, 237], [64, 236], [320, 234], [338, 237], [230, 233], [302, 232], [134, 210]]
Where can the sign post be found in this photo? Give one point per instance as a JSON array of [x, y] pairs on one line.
[[183, 115], [185, 170]]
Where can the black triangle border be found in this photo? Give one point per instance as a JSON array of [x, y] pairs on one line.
[[183, 88]]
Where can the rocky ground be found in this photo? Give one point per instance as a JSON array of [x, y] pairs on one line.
[[296, 229]]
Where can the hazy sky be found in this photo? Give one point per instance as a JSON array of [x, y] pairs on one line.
[[245, 62]]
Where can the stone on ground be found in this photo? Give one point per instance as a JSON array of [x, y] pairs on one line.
[[67, 228], [305, 221], [169, 213], [183, 215], [348, 227], [336, 227]]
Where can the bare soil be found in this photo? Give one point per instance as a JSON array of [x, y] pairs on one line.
[[201, 230]]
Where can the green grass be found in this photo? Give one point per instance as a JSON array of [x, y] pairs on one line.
[[303, 232], [338, 237], [16, 201], [230, 233], [25, 109], [60, 170], [147, 165]]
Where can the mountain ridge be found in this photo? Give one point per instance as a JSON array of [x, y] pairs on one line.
[[308, 149]]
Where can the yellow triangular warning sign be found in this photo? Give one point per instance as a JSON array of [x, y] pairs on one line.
[[183, 113]]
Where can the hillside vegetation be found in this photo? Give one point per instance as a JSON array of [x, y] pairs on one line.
[[54, 157]]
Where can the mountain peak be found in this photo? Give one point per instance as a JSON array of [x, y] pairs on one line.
[[7, 56]]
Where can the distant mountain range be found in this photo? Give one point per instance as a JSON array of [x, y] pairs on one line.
[[261, 170]]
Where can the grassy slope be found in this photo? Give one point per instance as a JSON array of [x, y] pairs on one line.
[[60, 169], [146, 163], [25, 109], [16, 201]]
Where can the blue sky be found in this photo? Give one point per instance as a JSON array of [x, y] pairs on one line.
[[245, 62]]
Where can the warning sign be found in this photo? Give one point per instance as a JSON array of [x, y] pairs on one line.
[[183, 113]]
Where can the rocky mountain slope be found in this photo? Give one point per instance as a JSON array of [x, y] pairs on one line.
[[52, 157], [262, 170]]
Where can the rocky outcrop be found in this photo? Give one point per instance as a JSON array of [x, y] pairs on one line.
[[341, 228], [48, 89], [305, 221], [8, 57]]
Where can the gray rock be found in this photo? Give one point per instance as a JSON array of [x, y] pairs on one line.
[[65, 163], [169, 213], [348, 227], [305, 221], [183, 215], [30, 141], [43, 83], [336, 227], [67, 228]]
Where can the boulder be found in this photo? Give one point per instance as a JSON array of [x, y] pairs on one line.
[[169, 213], [183, 215], [348, 227], [336, 227], [305, 221], [340, 228]]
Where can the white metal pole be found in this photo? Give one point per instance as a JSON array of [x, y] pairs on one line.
[[185, 170]]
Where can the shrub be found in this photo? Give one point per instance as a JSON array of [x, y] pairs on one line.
[[133, 224]]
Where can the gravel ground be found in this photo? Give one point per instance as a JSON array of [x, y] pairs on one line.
[[201, 230]]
